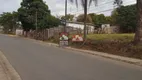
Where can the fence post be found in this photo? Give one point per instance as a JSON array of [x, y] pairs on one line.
[[47, 33]]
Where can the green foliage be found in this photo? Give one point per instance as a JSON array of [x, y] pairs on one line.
[[9, 21], [54, 22], [125, 17], [100, 19], [108, 20], [69, 17], [35, 13], [32, 9], [111, 37], [80, 18]]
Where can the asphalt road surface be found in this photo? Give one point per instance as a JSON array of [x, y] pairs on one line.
[[35, 61]]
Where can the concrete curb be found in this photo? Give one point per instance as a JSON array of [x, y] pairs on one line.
[[110, 56], [9, 70]]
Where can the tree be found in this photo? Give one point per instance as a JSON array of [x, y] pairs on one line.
[[99, 19], [69, 17], [54, 21], [9, 21], [138, 35], [34, 14], [108, 20], [125, 17], [80, 18], [114, 15]]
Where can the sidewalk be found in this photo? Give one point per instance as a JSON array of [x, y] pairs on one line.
[[7, 72], [3, 74]]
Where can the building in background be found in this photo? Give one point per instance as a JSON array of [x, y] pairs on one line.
[[80, 25], [1, 28]]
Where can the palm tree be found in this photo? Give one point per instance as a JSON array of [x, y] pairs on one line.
[[85, 4]]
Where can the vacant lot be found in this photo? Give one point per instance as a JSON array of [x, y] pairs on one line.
[[117, 44]]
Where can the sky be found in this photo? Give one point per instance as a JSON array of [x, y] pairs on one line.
[[57, 6]]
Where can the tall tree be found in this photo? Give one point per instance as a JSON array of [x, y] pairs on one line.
[[138, 35], [9, 21], [34, 14], [125, 17]]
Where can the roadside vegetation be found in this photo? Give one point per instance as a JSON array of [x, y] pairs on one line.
[[117, 44]]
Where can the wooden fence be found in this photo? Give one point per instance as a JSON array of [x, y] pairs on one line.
[[50, 33]]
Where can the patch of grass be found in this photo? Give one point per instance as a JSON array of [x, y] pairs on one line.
[[111, 37]]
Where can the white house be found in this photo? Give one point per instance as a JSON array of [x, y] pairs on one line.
[[80, 25]]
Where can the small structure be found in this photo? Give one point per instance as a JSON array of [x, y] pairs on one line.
[[80, 25], [1, 28], [107, 29], [19, 32]]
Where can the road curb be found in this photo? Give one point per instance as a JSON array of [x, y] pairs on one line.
[[9, 70], [110, 56]]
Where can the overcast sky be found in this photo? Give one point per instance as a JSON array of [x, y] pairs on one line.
[[57, 6]]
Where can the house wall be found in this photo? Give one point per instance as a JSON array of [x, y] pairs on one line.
[[90, 29]]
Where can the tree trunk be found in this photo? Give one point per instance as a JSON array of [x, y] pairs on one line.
[[138, 35], [85, 19]]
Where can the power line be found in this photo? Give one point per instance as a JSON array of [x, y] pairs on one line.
[[101, 6], [93, 7]]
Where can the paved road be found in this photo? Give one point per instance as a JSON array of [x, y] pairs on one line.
[[34, 61]]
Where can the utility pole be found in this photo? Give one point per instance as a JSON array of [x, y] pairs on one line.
[[36, 20], [85, 19], [36, 25], [65, 15]]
